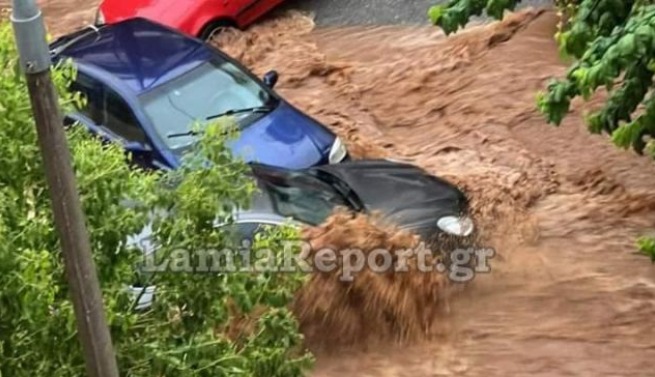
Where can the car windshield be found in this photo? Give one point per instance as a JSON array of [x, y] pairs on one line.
[[211, 89], [304, 198]]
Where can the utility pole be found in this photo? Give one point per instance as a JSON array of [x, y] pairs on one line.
[[93, 332]]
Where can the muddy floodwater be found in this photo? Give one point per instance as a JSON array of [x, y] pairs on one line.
[[567, 295]]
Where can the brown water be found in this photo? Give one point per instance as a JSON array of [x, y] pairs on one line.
[[567, 296]]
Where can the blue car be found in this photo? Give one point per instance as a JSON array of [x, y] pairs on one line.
[[147, 84]]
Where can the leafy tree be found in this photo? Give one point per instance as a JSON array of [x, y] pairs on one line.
[[647, 246], [218, 324], [613, 44]]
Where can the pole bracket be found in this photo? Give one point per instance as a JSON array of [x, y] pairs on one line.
[[30, 35]]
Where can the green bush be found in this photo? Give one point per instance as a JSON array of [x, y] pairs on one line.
[[186, 332]]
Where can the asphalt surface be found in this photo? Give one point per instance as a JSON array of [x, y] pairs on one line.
[[375, 12]]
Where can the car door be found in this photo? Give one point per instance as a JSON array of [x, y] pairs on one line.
[[107, 115], [230, 7], [251, 10]]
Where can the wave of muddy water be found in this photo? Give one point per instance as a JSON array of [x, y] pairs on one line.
[[567, 295]]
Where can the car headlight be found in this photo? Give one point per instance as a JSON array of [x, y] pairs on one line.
[[100, 18], [459, 226], [338, 151]]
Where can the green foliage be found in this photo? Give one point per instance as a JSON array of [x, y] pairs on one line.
[[187, 330], [647, 247], [456, 13]]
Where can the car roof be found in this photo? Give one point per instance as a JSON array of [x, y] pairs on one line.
[[138, 53]]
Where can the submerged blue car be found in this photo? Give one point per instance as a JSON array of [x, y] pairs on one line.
[[146, 85]]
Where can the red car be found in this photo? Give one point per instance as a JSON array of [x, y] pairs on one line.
[[200, 18]]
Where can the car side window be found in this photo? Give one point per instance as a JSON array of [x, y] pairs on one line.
[[107, 109], [120, 119], [91, 90]]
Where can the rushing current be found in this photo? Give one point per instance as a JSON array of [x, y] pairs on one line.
[[566, 295]]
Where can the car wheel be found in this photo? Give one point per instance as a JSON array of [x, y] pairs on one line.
[[215, 27]]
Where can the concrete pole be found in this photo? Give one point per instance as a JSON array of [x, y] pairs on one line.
[[93, 332]]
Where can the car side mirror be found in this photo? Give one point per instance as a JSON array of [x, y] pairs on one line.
[[270, 78]]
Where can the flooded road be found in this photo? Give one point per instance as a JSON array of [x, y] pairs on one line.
[[567, 295]]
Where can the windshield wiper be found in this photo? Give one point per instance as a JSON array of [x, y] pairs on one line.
[[256, 109], [181, 134]]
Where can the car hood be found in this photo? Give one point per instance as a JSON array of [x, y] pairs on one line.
[[285, 137], [405, 194]]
